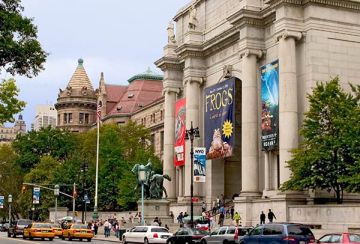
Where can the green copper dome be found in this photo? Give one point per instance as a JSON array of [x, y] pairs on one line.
[[147, 75]]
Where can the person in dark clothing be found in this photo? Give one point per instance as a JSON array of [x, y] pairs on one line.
[[262, 217], [271, 216], [232, 213]]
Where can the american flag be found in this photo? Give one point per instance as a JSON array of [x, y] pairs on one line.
[[98, 111]]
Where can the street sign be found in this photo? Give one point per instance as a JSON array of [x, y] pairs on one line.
[[1, 201], [86, 199], [36, 195]]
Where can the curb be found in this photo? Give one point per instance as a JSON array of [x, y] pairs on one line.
[[108, 240]]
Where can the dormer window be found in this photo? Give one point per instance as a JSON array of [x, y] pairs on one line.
[[130, 95], [118, 108]]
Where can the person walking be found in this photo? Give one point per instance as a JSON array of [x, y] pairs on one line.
[[232, 212], [262, 217], [106, 228], [271, 216], [237, 218]]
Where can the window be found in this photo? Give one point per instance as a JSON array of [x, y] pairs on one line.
[[86, 118], [65, 118], [335, 239], [81, 118], [354, 238], [152, 141], [231, 231], [162, 141], [273, 230], [70, 118], [325, 238], [299, 230], [58, 120], [159, 230], [222, 231], [256, 231]]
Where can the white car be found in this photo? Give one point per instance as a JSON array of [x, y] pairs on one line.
[[146, 235]]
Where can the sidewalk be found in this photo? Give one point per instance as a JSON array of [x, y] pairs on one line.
[[112, 238]]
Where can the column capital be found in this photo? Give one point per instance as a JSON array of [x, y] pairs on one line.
[[249, 51], [297, 35], [170, 89], [199, 80]]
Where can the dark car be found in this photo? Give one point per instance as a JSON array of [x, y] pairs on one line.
[[17, 228], [187, 235], [226, 234], [281, 233]]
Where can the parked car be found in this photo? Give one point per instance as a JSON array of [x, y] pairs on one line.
[[286, 233], [200, 222], [17, 227], [339, 238], [187, 235], [146, 234], [38, 230], [226, 234], [78, 231]]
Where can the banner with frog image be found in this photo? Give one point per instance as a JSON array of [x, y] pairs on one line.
[[219, 119]]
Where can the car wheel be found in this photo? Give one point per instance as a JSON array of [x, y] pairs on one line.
[[146, 241], [124, 240], [62, 237], [89, 239], [30, 237], [50, 239], [9, 235], [203, 242], [14, 235], [80, 239], [24, 237], [43, 239], [70, 238], [225, 242]]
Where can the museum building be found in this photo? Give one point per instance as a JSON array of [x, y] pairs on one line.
[[261, 57]]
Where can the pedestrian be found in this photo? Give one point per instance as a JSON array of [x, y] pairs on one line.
[[180, 218], [232, 212], [166, 227], [96, 226], [106, 228], [262, 217], [156, 222], [185, 214], [203, 207], [271, 216], [237, 218], [221, 219]]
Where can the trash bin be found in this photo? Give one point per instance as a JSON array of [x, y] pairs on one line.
[[121, 232]]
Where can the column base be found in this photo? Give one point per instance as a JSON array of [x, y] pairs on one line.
[[250, 194]]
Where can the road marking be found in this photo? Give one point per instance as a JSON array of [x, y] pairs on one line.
[[19, 240]]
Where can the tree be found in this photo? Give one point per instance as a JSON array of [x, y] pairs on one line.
[[9, 103], [330, 146], [31, 146], [20, 51]]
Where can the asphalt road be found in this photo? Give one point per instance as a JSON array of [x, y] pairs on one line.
[[19, 240]]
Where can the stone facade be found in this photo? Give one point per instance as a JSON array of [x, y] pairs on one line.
[[313, 40], [8, 134]]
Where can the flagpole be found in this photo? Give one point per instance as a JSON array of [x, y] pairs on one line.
[[95, 214]]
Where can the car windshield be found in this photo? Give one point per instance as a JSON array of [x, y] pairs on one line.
[[79, 226], [24, 222], [159, 230], [55, 226], [41, 225], [299, 230]]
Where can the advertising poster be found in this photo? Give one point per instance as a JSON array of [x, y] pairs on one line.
[[219, 119], [1, 201], [36, 195], [199, 164], [180, 130], [270, 106]]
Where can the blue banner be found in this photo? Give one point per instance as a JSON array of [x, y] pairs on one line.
[[1, 201], [270, 106], [199, 164], [36, 195], [219, 119]]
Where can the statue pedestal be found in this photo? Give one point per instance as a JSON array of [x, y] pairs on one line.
[[156, 208]]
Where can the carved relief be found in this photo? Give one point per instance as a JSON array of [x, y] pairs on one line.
[[192, 18], [171, 34]]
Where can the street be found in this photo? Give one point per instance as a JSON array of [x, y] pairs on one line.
[[19, 240]]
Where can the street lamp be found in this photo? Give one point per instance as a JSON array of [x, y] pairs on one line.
[[56, 193], [10, 201], [191, 134], [142, 178], [84, 169], [32, 212]]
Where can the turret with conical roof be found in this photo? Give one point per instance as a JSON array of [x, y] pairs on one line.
[[76, 105]]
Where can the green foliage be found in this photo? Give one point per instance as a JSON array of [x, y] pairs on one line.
[[9, 103], [330, 147], [31, 146], [20, 51]]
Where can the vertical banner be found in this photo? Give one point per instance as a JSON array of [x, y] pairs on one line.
[[270, 106], [36, 195], [219, 119], [180, 130], [1, 201], [199, 164]]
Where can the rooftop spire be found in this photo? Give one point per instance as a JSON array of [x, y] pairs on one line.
[[80, 79]]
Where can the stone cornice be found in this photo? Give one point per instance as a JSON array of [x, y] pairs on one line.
[[169, 63], [346, 4], [220, 41], [247, 17], [189, 50]]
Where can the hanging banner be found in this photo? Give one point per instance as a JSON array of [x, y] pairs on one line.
[[270, 106], [199, 164], [180, 129], [219, 119], [36, 195], [1, 201]]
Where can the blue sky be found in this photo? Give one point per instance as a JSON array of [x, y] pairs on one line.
[[120, 38]]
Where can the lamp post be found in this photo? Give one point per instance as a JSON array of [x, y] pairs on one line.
[[84, 169], [56, 193], [142, 178], [32, 212], [10, 201], [191, 134]]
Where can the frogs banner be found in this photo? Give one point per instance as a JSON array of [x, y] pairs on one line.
[[1, 201], [36, 195], [180, 129], [270, 106], [199, 164], [219, 119]]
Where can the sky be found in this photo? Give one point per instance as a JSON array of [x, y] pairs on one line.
[[118, 37]]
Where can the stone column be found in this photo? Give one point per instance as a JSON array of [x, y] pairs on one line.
[[192, 114], [169, 138], [249, 124], [288, 101], [267, 170]]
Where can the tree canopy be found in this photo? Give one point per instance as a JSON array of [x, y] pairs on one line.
[[9, 103], [330, 149]]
